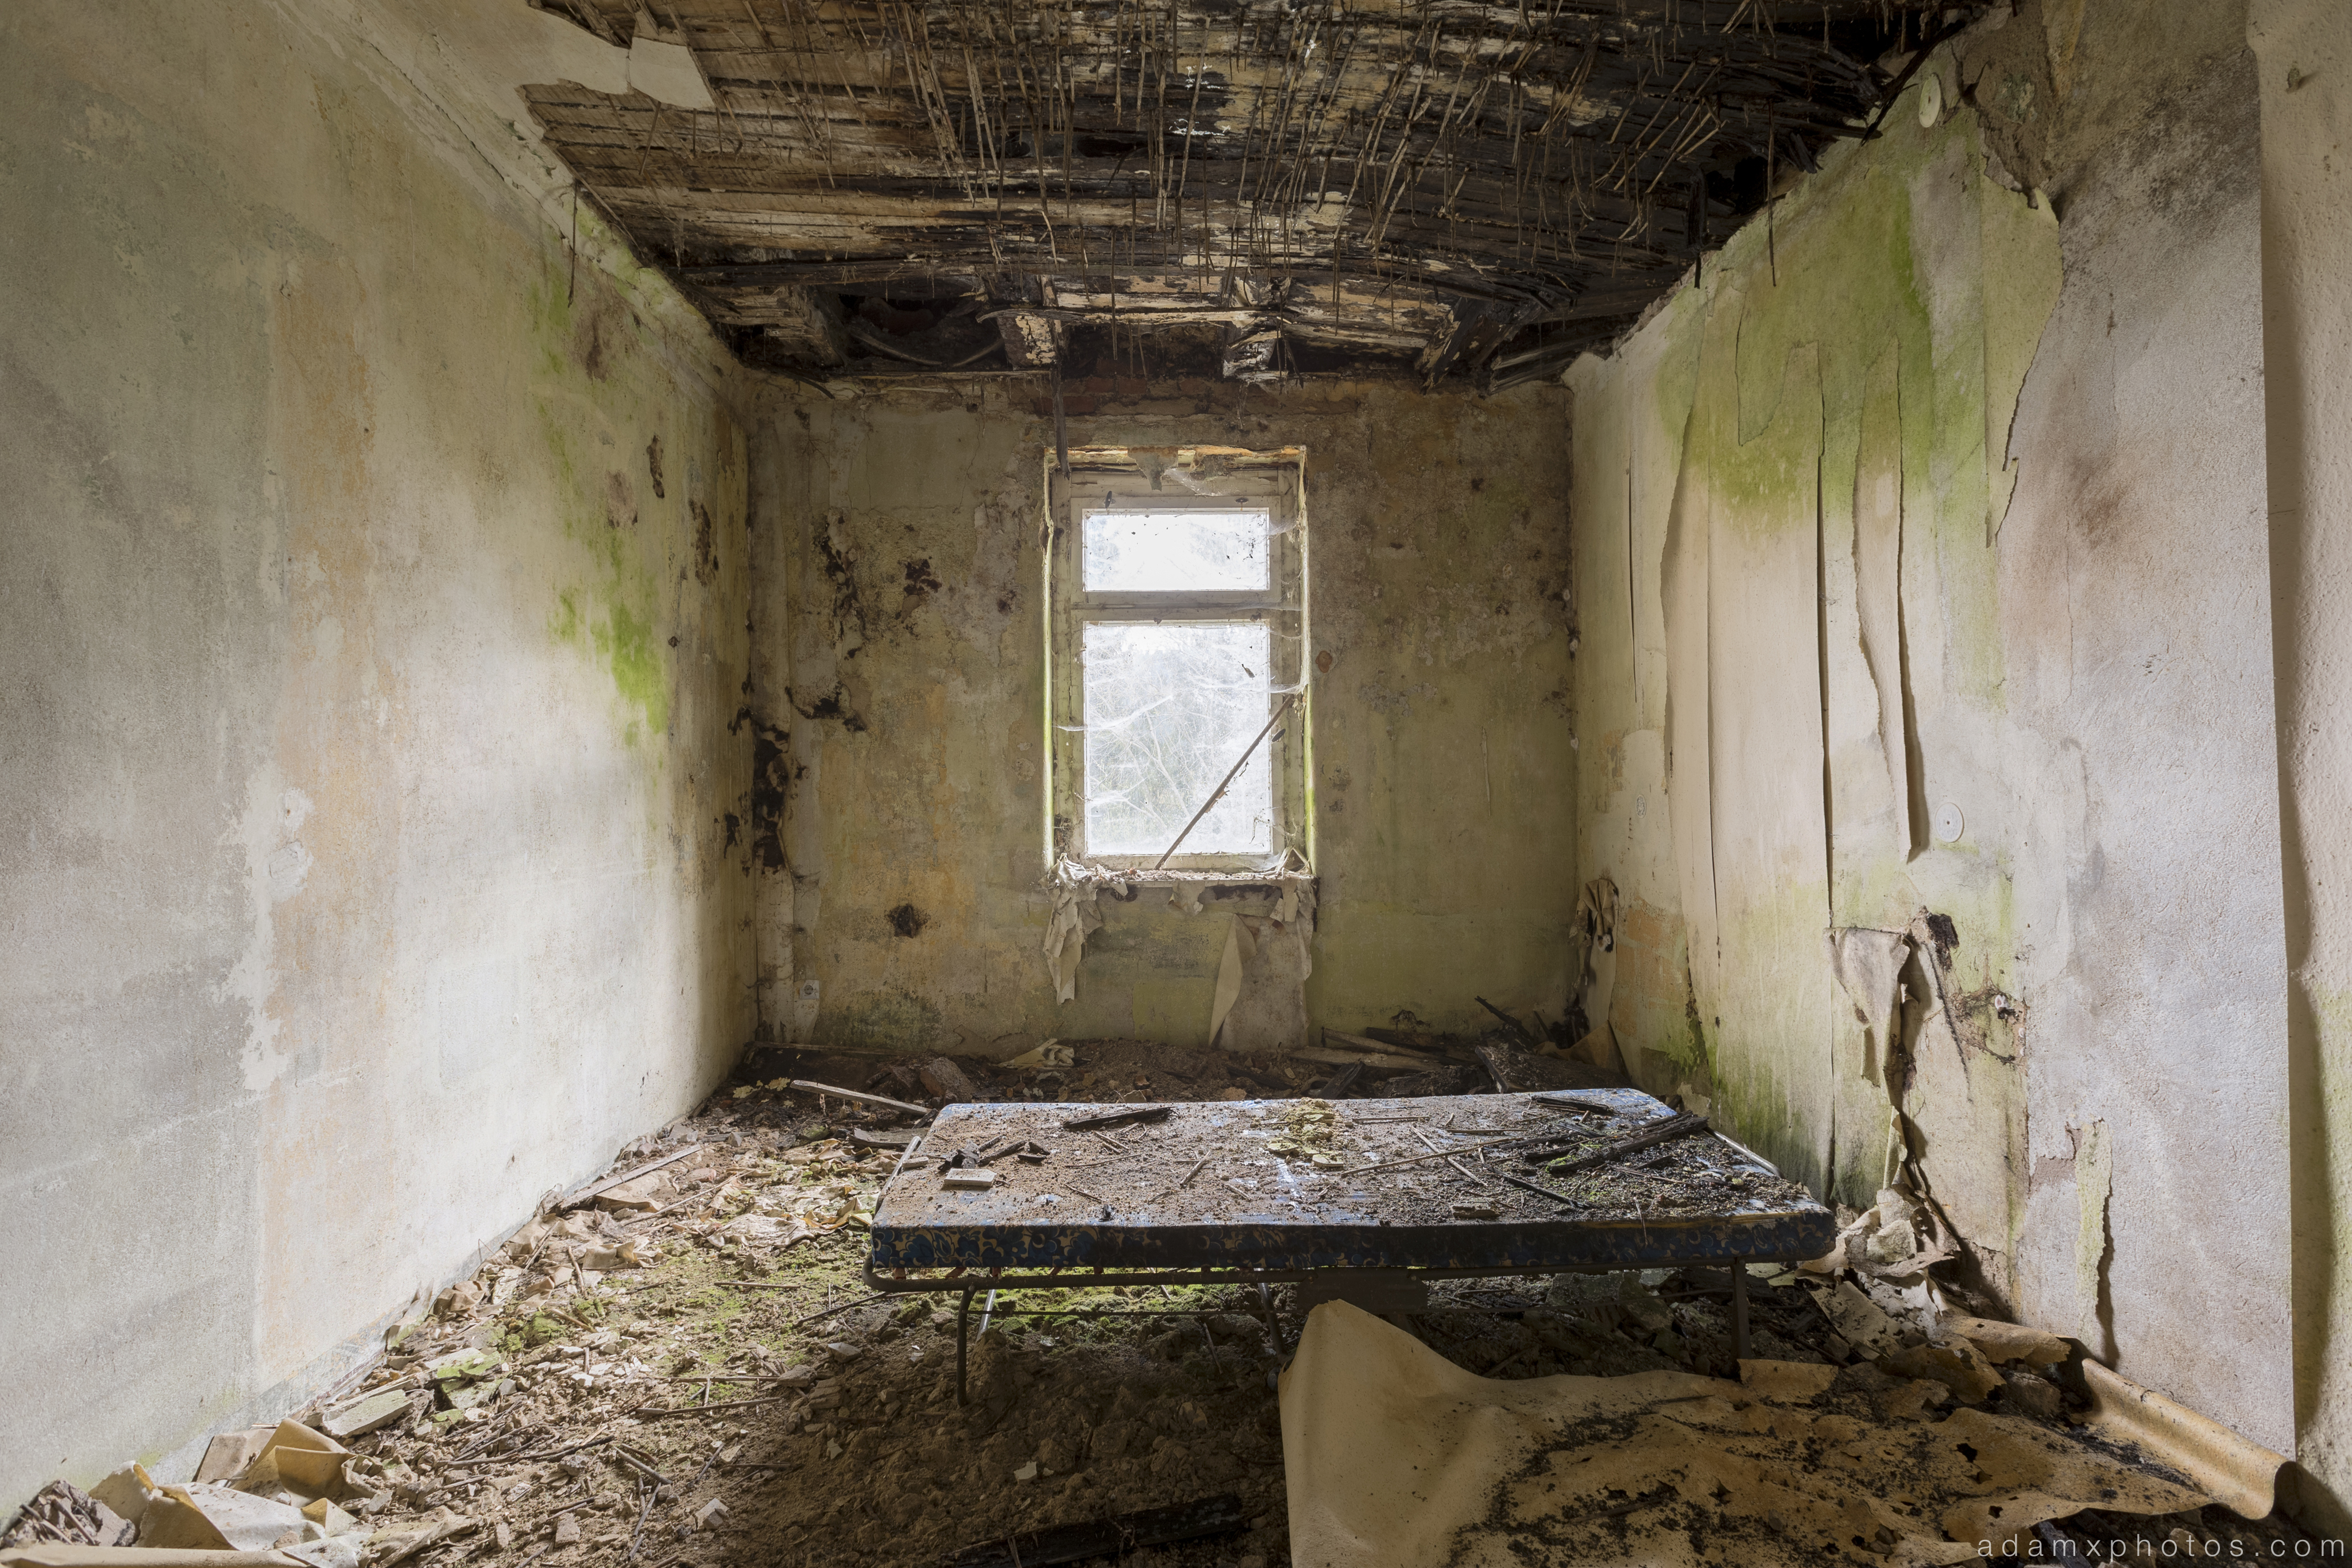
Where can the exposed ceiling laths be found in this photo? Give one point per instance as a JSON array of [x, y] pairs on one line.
[[1458, 187]]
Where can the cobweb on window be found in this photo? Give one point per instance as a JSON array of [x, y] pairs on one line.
[[1165, 552], [1168, 709]]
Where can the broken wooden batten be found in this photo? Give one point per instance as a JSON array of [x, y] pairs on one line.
[[1246, 192]]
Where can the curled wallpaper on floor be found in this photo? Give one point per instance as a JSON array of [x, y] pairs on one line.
[[1398, 1458]]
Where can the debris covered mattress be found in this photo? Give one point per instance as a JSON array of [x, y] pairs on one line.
[[1469, 1183]]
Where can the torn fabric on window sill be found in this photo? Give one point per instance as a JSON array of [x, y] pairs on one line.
[[1077, 915]]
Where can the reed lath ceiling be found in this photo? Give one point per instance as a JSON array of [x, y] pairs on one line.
[[1247, 188]]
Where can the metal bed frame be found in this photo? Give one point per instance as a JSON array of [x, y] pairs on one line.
[[1339, 1281], [1382, 1269]]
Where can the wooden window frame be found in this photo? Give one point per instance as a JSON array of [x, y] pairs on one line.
[[1281, 606]]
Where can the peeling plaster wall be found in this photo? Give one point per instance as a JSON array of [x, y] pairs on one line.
[[1920, 499], [2304, 48], [373, 838], [902, 666]]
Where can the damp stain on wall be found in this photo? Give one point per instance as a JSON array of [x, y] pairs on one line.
[[913, 633]]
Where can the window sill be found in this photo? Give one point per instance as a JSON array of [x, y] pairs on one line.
[[1283, 898], [1114, 880]]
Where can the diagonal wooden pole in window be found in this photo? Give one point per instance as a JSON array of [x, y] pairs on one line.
[[1219, 793]]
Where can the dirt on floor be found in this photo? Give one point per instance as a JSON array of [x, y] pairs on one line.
[[686, 1369]]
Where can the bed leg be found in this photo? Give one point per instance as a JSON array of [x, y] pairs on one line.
[[1739, 1309], [963, 1324]]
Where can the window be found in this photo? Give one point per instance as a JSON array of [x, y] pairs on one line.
[[1179, 630]]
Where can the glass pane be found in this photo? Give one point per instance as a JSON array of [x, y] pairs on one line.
[[1168, 710], [1174, 552]]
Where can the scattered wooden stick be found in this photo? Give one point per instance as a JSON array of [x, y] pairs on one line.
[[1475, 1179], [1187, 1177], [717, 1448], [1546, 1192], [1503, 1141], [433, 1536], [654, 1412], [1118, 1118], [596, 1441], [1364, 1045], [645, 1512], [1573, 1103], [629, 1458], [863, 1301], [609, 1183], [1524, 1034], [808, 1086], [1340, 1082], [1658, 1133]]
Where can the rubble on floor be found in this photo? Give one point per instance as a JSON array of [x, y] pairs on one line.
[[1382, 1064], [679, 1366]]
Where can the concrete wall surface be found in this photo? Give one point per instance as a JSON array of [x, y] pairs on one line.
[[373, 840], [2304, 48], [1923, 585], [902, 688]]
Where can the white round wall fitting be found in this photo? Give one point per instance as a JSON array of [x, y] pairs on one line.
[[1931, 98], [1949, 823]]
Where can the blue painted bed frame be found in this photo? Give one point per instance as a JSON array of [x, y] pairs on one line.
[[1000, 1240]]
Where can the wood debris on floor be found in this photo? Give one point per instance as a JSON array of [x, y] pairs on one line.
[[678, 1365], [1388, 1065]]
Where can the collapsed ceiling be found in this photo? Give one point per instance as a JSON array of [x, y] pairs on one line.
[[1254, 189]]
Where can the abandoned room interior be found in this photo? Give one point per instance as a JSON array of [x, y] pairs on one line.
[[1365, 783]]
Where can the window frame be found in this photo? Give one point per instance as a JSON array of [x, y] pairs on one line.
[[1281, 606]]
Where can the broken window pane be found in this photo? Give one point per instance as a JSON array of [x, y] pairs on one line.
[[1174, 552], [1168, 710]]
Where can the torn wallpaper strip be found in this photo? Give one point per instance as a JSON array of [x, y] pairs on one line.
[[1596, 925], [1241, 944], [1077, 916], [2094, 1176]]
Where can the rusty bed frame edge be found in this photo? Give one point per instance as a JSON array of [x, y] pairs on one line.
[[997, 1280]]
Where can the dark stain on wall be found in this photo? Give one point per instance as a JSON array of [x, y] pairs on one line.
[[848, 611], [921, 581], [1946, 936], [705, 545], [909, 921], [833, 704], [653, 467], [770, 783]]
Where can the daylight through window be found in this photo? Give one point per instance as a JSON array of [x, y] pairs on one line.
[[1180, 628]]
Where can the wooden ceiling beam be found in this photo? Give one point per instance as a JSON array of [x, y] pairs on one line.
[[1463, 182]]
